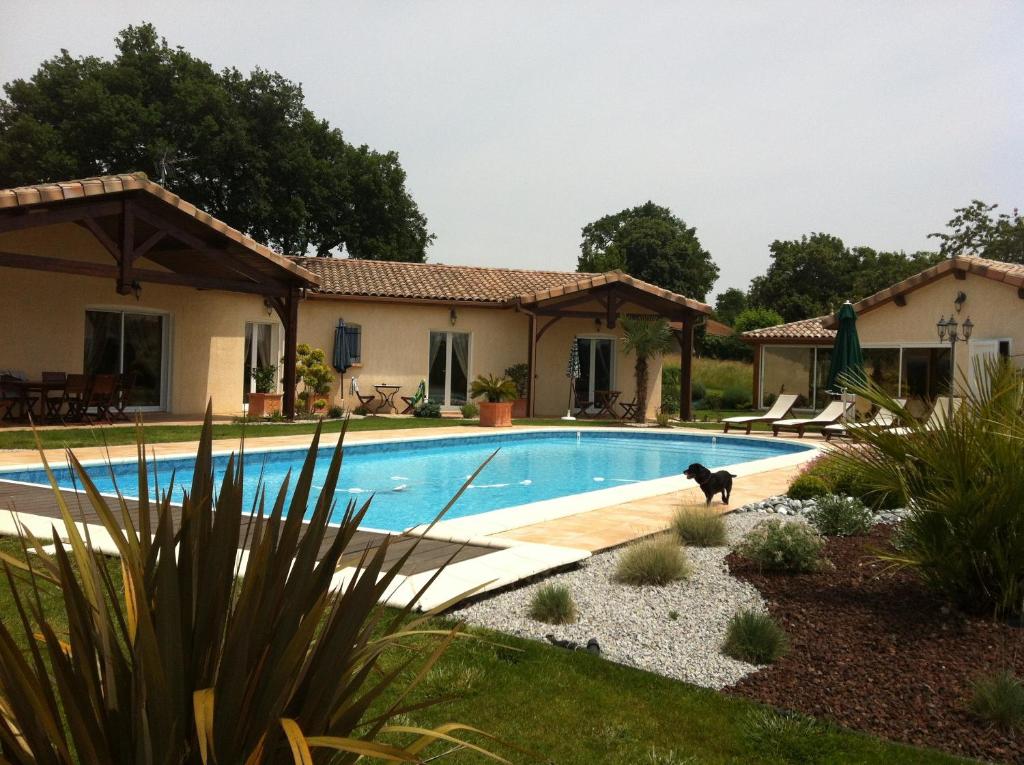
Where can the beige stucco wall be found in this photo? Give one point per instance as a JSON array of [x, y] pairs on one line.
[[206, 329], [395, 343]]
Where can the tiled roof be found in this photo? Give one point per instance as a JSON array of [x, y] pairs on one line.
[[474, 284], [804, 331], [66, 191]]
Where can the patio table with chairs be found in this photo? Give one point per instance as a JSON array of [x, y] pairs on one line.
[[62, 397]]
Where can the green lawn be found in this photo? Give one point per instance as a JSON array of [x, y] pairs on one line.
[[575, 709]]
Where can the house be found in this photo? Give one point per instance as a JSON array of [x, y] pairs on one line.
[[118, 274], [898, 333]]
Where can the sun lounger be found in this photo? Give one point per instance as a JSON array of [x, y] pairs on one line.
[[882, 420], [778, 410], [937, 418], [830, 414]]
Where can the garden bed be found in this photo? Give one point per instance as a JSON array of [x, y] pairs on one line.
[[872, 649]]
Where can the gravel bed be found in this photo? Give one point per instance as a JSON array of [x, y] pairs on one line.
[[782, 505], [635, 625]]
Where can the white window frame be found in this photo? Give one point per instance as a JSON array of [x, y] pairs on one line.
[[165, 351]]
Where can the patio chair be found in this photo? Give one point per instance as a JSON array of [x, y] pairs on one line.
[[364, 401], [830, 414], [413, 401], [936, 418], [53, 399], [629, 408], [782, 406], [123, 395], [882, 420], [582, 403], [77, 389], [10, 397]]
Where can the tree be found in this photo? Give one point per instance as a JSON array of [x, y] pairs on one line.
[[652, 244], [243, 147], [733, 346], [756, 318], [974, 231], [812, 276], [729, 304], [644, 339]]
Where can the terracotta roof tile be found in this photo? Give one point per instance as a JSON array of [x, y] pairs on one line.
[[803, 331]]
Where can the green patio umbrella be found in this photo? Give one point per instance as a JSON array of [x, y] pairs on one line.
[[847, 363]]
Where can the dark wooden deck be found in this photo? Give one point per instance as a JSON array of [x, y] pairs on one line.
[[429, 554]]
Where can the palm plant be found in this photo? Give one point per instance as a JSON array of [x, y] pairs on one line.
[[494, 389], [965, 532], [206, 654], [645, 339]]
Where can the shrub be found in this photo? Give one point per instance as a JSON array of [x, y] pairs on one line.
[[736, 397], [427, 409], [662, 419], [697, 526], [178, 652], [520, 375], [837, 516], [655, 561], [553, 604], [335, 412], [964, 534], [808, 487], [697, 390], [669, 402], [712, 399], [842, 477], [789, 547], [470, 410], [998, 699], [754, 637]]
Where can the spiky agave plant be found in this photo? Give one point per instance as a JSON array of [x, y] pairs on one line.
[[961, 480], [200, 659]]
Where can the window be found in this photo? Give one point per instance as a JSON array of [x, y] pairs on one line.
[[1004, 348], [259, 352], [118, 342]]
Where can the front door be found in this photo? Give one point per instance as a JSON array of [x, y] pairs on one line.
[[118, 342], [448, 377], [596, 355]]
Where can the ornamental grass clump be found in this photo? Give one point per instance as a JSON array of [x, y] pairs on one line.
[[964, 532], [698, 526], [998, 699], [658, 561], [195, 656], [784, 547], [754, 637], [553, 604], [838, 516]]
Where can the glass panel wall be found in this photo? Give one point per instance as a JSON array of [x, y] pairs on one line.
[[127, 343], [926, 374], [822, 397], [882, 367], [787, 369]]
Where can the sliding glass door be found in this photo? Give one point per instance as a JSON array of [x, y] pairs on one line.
[[259, 352], [118, 342], [448, 368], [596, 355]]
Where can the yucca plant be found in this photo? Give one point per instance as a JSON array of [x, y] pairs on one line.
[[203, 655], [964, 534]]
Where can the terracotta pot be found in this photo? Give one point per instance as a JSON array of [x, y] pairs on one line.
[[519, 408], [496, 414], [264, 404]]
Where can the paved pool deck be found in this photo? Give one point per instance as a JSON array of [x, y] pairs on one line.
[[514, 554]]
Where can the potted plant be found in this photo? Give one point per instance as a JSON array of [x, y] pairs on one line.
[[520, 375], [264, 402], [499, 392]]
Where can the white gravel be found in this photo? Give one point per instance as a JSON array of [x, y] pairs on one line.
[[635, 625]]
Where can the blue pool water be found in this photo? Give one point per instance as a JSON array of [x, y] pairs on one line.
[[411, 481]]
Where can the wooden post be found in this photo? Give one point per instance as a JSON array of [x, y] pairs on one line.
[[758, 398], [531, 365], [685, 337], [290, 319], [124, 269]]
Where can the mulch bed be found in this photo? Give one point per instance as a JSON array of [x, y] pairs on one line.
[[873, 650]]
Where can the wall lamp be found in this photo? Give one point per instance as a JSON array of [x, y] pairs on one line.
[[452, 316]]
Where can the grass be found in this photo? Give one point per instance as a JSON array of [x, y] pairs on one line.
[[58, 438], [577, 709], [998, 699], [553, 604], [718, 374], [754, 637], [656, 561], [697, 526]]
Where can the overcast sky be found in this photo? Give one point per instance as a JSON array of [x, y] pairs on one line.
[[520, 122]]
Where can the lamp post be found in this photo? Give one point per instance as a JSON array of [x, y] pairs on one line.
[[949, 330]]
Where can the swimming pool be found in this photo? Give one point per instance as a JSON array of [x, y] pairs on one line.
[[411, 480]]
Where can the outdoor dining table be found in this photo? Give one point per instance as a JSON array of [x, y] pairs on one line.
[[606, 402], [26, 388], [387, 395]]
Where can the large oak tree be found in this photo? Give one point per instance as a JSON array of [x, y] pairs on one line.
[[242, 146]]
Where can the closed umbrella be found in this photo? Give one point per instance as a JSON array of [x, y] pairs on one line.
[[847, 364], [572, 371]]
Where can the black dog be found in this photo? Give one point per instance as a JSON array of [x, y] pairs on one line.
[[711, 483]]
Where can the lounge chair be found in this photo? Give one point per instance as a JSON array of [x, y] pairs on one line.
[[413, 401], [883, 420], [778, 410], [937, 418], [830, 414]]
